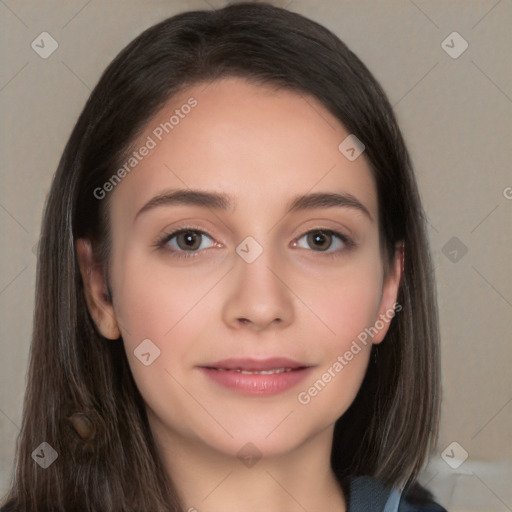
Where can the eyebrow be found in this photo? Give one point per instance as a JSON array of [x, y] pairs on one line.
[[219, 201]]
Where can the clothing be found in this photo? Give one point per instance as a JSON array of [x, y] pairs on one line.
[[366, 494]]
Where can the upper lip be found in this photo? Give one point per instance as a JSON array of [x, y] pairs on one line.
[[252, 364]]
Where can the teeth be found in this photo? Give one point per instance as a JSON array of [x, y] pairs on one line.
[[264, 372]]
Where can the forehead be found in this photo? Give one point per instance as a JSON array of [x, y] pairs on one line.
[[255, 143]]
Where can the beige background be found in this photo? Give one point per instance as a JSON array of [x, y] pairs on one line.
[[455, 115]]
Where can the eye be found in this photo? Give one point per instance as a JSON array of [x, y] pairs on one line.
[[185, 240], [325, 240]]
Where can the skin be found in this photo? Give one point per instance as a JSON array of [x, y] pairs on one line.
[[262, 147]]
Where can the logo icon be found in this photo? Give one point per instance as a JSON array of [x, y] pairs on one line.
[[249, 249], [249, 455], [146, 352], [454, 45], [454, 455], [44, 45], [44, 455], [454, 249], [351, 147]]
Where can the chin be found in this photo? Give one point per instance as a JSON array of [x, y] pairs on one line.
[[266, 437]]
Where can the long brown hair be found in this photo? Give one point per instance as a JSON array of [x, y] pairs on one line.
[[81, 398]]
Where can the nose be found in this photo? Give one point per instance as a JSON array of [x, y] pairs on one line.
[[259, 296]]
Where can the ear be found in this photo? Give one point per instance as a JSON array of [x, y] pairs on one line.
[[96, 291], [389, 296]]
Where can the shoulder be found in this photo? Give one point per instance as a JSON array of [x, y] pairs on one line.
[[366, 494], [417, 498]]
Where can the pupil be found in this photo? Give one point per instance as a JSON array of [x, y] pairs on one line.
[[189, 240], [321, 238]]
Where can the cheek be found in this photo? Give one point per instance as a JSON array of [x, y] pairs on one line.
[[169, 308], [153, 298], [334, 384], [346, 301], [347, 304], [165, 311]]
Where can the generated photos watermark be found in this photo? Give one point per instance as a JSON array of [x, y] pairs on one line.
[[363, 338], [151, 142]]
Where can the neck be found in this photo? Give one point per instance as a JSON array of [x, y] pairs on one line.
[[209, 480]]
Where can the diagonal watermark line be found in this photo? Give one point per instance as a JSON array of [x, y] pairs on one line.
[[122, 328], [424, 14], [485, 15], [508, 508], [491, 285], [13, 279], [316, 110], [482, 221], [282, 421], [12, 12], [427, 483], [301, 301], [218, 485], [210, 82], [85, 85], [210, 5], [307, 192], [19, 428], [285, 490], [492, 81], [209, 209], [199, 300], [430, 224], [416, 84], [75, 15], [199, 403], [13, 218], [489, 421], [15, 75]]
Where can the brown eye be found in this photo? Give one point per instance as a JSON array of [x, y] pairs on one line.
[[324, 240], [320, 239], [187, 240]]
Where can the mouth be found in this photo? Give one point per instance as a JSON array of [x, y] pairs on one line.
[[257, 376], [256, 372]]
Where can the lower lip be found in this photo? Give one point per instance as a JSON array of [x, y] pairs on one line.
[[257, 383]]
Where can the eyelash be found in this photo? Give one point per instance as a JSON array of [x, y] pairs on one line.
[[162, 242]]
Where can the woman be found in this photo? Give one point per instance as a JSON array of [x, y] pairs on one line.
[[233, 229]]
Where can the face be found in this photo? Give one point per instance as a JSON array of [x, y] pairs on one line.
[[247, 312]]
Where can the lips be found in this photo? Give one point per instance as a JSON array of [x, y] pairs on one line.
[[257, 376], [258, 372], [257, 365]]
